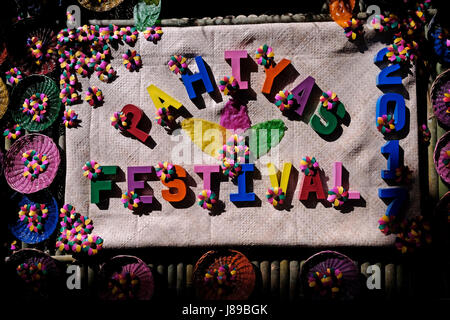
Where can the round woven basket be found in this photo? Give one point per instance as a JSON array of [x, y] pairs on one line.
[[440, 86], [350, 286], [94, 5], [131, 264], [19, 228], [442, 145], [24, 90], [240, 289], [14, 165], [4, 98]]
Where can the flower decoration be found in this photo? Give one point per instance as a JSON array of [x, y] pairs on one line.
[[92, 170], [177, 64], [387, 224], [426, 134], [153, 34], [329, 100], [132, 60], [35, 163], [386, 123], [36, 106], [275, 196], [70, 118], [131, 200], [264, 56], [309, 166], [337, 196], [33, 274], [34, 215], [225, 275], [13, 76], [206, 199], [129, 34], [68, 95], [165, 171], [105, 71], [124, 285], [232, 154], [164, 118], [447, 100], [37, 51], [284, 100], [400, 51], [92, 244], [13, 132], [94, 96], [446, 158], [403, 175], [327, 283], [119, 121], [353, 29], [228, 85], [413, 234]]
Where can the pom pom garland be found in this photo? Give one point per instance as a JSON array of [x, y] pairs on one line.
[[177, 64], [33, 274], [337, 196], [92, 244], [353, 29], [206, 199], [153, 34], [94, 96], [13, 132], [228, 85], [129, 34], [329, 100], [119, 121], [36, 106], [92, 170], [284, 100], [165, 171], [68, 95], [34, 215], [275, 196], [105, 71], [35, 163], [387, 225], [264, 56], [132, 60], [309, 165], [386, 123], [13, 76], [326, 284], [130, 200], [164, 118], [70, 118]]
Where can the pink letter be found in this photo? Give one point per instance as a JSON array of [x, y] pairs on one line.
[[207, 170], [236, 57], [337, 171]]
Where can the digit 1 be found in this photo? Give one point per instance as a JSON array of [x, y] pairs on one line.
[[391, 148]]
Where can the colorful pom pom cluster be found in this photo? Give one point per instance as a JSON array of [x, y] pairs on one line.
[[13, 76], [228, 85], [264, 56], [94, 96], [329, 100], [70, 118], [105, 71], [403, 175], [387, 225], [13, 132], [123, 285], [326, 284], [164, 118], [36, 106], [446, 158], [34, 215], [233, 154], [92, 170], [309, 165], [223, 276], [75, 233], [447, 100], [129, 34], [37, 51], [206, 199], [132, 60], [177, 64], [153, 34], [284, 100], [119, 121], [353, 29], [414, 233], [130, 200], [35, 164], [275, 196], [386, 123], [400, 51], [337, 196], [426, 134], [165, 171], [32, 273]]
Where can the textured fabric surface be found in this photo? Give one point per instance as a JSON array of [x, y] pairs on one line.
[[319, 50]]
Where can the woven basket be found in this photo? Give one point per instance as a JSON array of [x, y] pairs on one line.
[[14, 166], [130, 264], [440, 86], [99, 7], [19, 228], [241, 288], [4, 98], [442, 145], [24, 90]]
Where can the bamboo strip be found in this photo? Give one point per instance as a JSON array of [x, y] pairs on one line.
[[389, 280], [181, 278], [294, 269], [284, 280], [265, 277], [275, 278]]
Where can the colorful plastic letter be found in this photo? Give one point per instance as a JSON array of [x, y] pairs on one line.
[[207, 170], [137, 115], [399, 109], [393, 161], [328, 117], [162, 99], [380, 55], [383, 78], [102, 185], [138, 184], [311, 184], [399, 196], [302, 92], [242, 194], [235, 56], [285, 174], [177, 184], [189, 79], [337, 173], [271, 74]]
